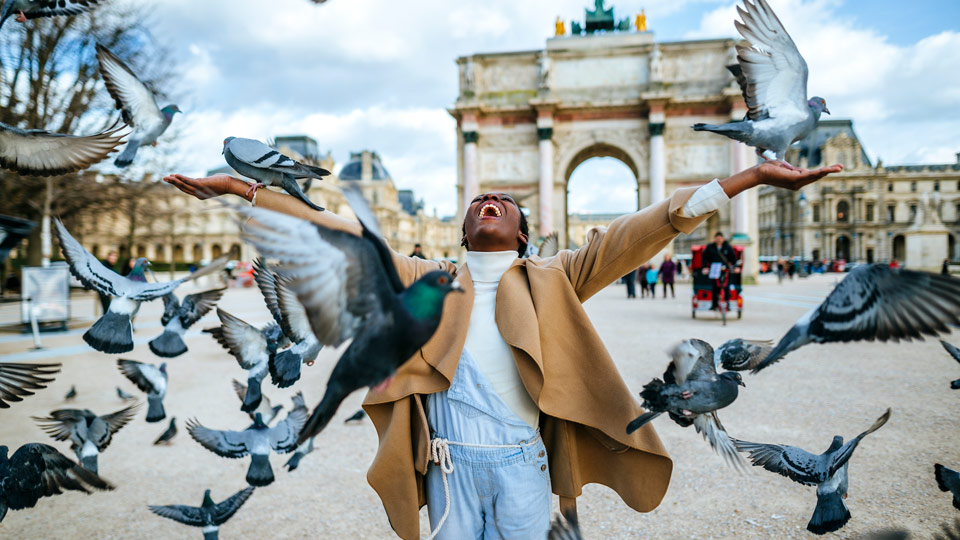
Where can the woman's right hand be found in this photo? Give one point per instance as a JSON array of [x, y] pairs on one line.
[[208, 187]]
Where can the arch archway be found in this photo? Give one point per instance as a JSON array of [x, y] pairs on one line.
[[842, 247], [899, 248], [609, 163]]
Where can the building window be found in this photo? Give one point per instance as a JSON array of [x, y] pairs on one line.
[[913, 187], [890, 186], [913, 212], [892, 213], [843, 211], [869, 211], [936, 186], [816, 213], [958, 211]]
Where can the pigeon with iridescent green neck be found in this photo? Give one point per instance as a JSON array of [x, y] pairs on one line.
[[210, 515]]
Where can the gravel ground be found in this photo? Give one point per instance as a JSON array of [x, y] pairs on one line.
[[819, 391]]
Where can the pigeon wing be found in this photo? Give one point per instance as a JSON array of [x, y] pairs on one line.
[[226, 509], [118, 419], [293, 320], [954, 351], [742, 354], [134, 100], [371, 232], [171, 305], [228, 444], [147, 377], [240, 389], [35, 152], [550, 246], [86, 268], [51, 8], [843, 455], [61, 423], [19, 380], [795, 463], [283, 436], [709, 426], [39, 470], [245, 342], [144, 292], [257, 154], [197, 305], [188, 515], [267, 283], [689, 362]]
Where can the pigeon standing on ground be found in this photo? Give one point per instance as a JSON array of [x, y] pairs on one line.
[[265, 409], [350, 289], [876, 302], [150, 379], [72, 394], [741, 354], [268, 167], [827, 471], [773, 78], [691, 392], [35, 152], [177, 318], [252, 348], [33, 9], [955, 353], [292, 316], [123, 395], [37, 470], [89, 434], [210, 515], [19, 380], [136, 103], [167, 435], [948, 480]]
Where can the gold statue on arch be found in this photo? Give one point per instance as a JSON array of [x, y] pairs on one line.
[[641, 22], [561, 28]]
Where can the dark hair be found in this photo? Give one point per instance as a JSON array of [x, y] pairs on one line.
[[720, 234], [524, 228]]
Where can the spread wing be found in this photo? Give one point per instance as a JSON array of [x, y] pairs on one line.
[[795, 463], [240, 389], [19, 380], [283, 436], [143, 292], [741, 354], [709, 426], [61, 423], [118, 419], [226, 509], [134, 100], [774, 75], [843, 455], [171, 305], [267, 283], [188, 515], [38, 470], [85, 267], [50, 8], [228, 444], [294, 320], [371, 232], [34, 152], [690, 361], [197, 305], [550, 246], [147, 377], [245, 342]]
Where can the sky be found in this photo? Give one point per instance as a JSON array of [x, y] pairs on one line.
[[380, 74]]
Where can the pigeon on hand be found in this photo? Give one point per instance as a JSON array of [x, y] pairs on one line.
[[268, 167], [89, 434], [550, 246], [135, 102], [265, 409], [35, 152], [18, 380], [565, 528], [357, 417], [257, 440], [773, 78], [948, 480], [167, 435], [72, 394], [741, 354], [210, 515], [827, 471], [350, 289], [33, 9], [252, 348], [178, 318], [123, 395], [37, 470], [150, 379], [876, 302], [955, 353], [113, 332]]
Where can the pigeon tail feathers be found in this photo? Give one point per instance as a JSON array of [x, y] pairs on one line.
[[290, 186], [129, 152], [89, 463], [830, 515], [938, 474], [155, 412], [111, 334], [740, 131], [259, 474], [251, 400], [285, 368], [652, 395], [211, 535], [168, 345], [641, 421]]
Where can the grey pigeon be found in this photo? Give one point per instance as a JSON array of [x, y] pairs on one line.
[[550, 246], [210, 516], [123, 395], [948, 480], [34, 152], [268, 167], [177, 318], [37, 470], [257, 441], [741, 354], [876, 302], [150, 379], [252, 348], [773, 78], [89, 434], [136, 104], [955, 353], [827, 471], [305, 447], [168, 434], [72, 394], [33, 9], [356, 417], [691, 392], [565, 528], [113, 331], [19, 380], [265, 409], [350, 289]]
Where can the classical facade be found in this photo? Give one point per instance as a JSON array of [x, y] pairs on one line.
[[867, 213]]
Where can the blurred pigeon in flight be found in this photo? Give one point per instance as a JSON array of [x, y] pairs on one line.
[[37, 470], [565, 528], [34, 152], [19, 380], [292, 318], [210, 516], [692, 392], [876, 302], [955, 353], [33, 9], [741, 354], [773, 78], [89, 434], [150, 379], [350, 289], [305, 447], [252, 348], [827, 471], [123, 395], [948, 480], [357, 417], [550, 246], [265, 409], [72, 394], [268, 167], [136, 103], [177, 318], [167, 435]]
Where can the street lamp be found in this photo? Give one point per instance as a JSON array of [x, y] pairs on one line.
[[802, 203]]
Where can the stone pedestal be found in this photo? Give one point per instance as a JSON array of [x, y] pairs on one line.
[[926, 247]]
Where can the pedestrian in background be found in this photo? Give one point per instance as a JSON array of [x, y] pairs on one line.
[[417, 252], [631, 281], [652, 280], [642, 277], [667, 270]]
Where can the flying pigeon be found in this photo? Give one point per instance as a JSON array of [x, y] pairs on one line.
[[150, 379], [178, 318], [948, 480], [692, 392], [136, 104], [72, 394], [827, 471], [113, 332], [305, 447], [565, 528], [351, 290], [33, 9], [256, 440], [550, 246], [252, 348], [265, 409], [19, 380], [167, 435], [357, 417], [210, 516], [35, 152], [123, 395], [89, 434], [741, 354], [876, 302], [955, 353], [37, 470], [268, 167], [773, 78]]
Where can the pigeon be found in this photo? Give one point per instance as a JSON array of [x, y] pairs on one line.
[[123, 395], [305, 447], [692, 392], [876, 302], [292, 318], [357, 417], [136, 103], [955, 353], [89, 434], [565, 528], [773, 78], [33, 9], [827, 471], [35, 152], [210, 516], [72, 394], [256, 440], [113, 331], [264, 409], [167, 435], [252, 348], [178, 318], [268, 167], [550, 246], [351, 290], [38, 470], [19, 380], [150, 379], [741, 354], [948, 480]]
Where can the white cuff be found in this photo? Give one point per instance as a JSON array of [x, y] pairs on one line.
[[706, 199]]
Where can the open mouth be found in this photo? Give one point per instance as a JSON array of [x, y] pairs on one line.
[[489, 210]]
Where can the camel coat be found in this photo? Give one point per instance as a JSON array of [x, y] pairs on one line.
[[585, 404]]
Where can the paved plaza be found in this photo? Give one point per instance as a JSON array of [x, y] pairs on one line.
[[817, 392]]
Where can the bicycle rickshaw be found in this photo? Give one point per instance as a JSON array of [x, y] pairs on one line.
[[729, 282]]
